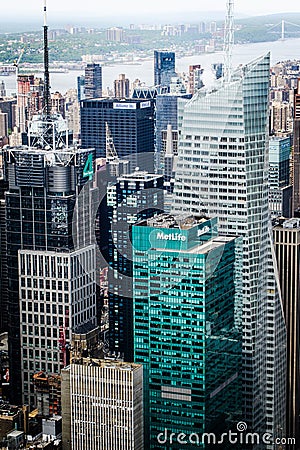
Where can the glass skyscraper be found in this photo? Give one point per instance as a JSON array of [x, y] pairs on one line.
[[132, 197], [51, 259], [164, 68], [187, 328], [223, 170]]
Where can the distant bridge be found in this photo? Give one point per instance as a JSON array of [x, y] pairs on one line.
[[282, 28]]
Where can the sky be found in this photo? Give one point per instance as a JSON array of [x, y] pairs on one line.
[[19, 9]]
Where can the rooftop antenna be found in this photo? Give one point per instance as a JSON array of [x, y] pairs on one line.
[[228, 41], [46, 66]]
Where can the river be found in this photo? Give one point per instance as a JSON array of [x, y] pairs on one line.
[[280, 50]]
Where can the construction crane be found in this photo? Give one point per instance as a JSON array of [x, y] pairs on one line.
[[20, 114]]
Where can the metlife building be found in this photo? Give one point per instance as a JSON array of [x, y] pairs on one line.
[[187, 325], [131, 125]]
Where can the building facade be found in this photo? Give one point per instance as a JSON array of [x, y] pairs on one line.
[[296, 152], [187, 317], [167, 114], [281, 190], [164, 68], [222, 169], [131, 123], [49, 246], [121, 87], [134, 196], [195, 78], [102, 405], [287, 248], [93, 81]]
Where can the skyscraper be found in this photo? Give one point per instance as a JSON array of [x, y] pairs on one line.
[[222, 169], [102, 405], [281, 190], [296, 152], [131, 123], [121, 87], [187, 327], [133, 197], [93, 81], [195, 78], [166, 114], [287, 249], [3, 257], [51, 277], [164, 68]]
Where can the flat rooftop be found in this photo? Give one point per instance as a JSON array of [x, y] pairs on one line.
[[180, 221]]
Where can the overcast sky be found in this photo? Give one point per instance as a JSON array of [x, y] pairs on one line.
[[116, 7]]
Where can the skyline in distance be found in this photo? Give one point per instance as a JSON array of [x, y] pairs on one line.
[[132, 9]]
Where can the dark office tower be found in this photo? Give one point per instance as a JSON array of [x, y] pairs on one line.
[[3, 259], [93, 81], [8, 106], [51, 275], [287, 248], [280, 188], [131, 123], [121, 87], [166, 114], [134, 197], [296, 155], [164, 68], [187, 327]]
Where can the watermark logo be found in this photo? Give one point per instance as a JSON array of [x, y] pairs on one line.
[[234, 437]]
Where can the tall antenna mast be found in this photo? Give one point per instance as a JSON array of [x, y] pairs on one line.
[[46, 66], [228, 41]]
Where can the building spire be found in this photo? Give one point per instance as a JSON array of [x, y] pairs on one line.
[[228, 40], [47, 108]]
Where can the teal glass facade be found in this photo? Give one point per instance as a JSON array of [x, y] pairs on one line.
[[186, 330]]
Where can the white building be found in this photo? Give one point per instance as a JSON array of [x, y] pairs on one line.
[[102, 405], [58, 295], [222, 170]]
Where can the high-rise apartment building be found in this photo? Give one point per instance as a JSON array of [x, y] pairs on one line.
[[280, 188], [115, 34], [280, 117], [24, 83], [102, 405], [121, 87], [93, 81], [187, 317], [131, 123], [195, 78], [287, 249], [133, 197], [222, 169], [164, 68], [50, 257], [296, 152]]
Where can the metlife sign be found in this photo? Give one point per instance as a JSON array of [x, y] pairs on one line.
[[124, 106], [161, 236]]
